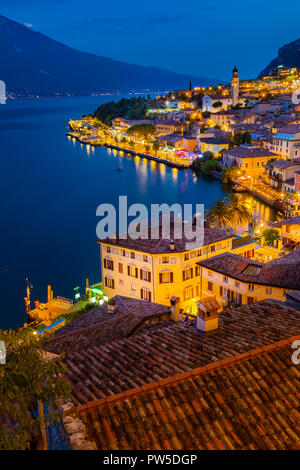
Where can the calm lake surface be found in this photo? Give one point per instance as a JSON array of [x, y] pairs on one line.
[[50, 189]]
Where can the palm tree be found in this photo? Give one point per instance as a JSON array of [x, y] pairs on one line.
[[238, 211], [229, 173], [218, 214], [155, 146]]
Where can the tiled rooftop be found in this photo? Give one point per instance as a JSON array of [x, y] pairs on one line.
[[250, 152], [160, 351], [282, 272], [98, 326], [292, 129], [214, 141], [251, 401], [162, 245], [291, 221], [281, 164]]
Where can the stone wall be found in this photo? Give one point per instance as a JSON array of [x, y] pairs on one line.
[[74, 427]]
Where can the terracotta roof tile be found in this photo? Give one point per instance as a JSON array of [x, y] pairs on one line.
[[162, 245], [157, 353], [98, 326], [229, 407], [282, 272]]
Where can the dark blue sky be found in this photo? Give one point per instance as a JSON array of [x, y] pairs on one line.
[[203, 38]]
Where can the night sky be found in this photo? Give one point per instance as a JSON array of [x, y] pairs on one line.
[[203, 38]]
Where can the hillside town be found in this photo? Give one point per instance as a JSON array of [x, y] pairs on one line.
[[250, 127], [190, 349]]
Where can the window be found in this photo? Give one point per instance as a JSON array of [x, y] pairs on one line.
[[132, 271], [165, 259], [145, 275], [212, 248], [225, 279], [268, 290], [237, 284], [145, 258], [199, 253], [187, 274], [132, 255], [123, 252], [210, 286], [120, 268], [108, 264], [145, 295], [186, 256], [197, 270], [109, 282], [108, 249], [188, 293], [166, 278], [251, 287]]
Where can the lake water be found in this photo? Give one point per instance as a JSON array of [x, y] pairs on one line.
[[50, 189]]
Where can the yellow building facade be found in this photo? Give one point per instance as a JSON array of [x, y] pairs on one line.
[[158, 277], [227, 288]]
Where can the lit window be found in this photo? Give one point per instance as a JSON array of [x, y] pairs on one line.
[[109, 282], [108, 264], [165, 278], [145, 275], [187, 274]]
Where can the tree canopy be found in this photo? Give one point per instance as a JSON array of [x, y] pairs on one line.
[[142, 130], [27, 378], [270, 234], [133, 108], [240, 138]]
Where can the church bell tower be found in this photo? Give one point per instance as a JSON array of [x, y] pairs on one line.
[[235, 87]]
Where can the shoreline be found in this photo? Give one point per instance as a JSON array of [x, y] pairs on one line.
[[133, 153], [215, 175]]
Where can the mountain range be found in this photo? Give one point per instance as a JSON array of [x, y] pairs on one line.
[[32, 63], [288, 56]]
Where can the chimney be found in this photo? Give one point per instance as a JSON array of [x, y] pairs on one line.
[[175, 308], [208, 314], [50, 294], [172, 244], [111, 306]]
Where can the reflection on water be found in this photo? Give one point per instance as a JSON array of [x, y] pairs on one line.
[[50, 189]]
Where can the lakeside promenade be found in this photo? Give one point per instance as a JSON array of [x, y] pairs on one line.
[[97, 143]]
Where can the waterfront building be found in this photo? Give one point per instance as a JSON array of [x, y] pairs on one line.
[[156, 270], [214, 145], [169, 126], [284, 140], [178, 141], [289, 231], [281, 173], [251, 160], [232, 278]]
